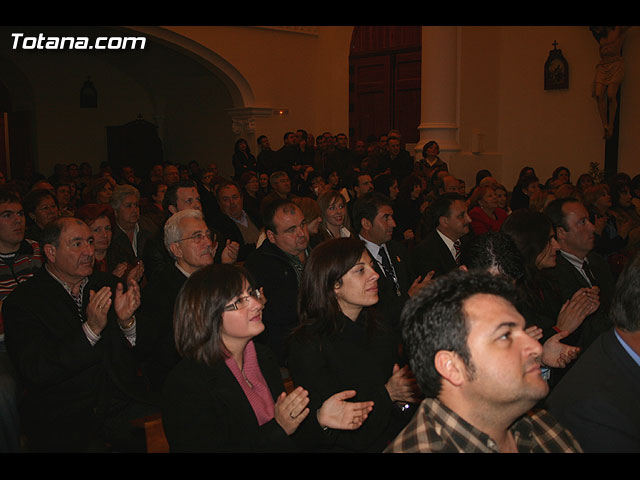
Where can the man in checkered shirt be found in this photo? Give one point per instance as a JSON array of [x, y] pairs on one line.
[[479, 371]]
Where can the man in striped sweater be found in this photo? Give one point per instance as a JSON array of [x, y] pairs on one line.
[[20, 258]]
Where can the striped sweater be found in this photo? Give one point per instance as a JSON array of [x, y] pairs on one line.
[[26, 262]]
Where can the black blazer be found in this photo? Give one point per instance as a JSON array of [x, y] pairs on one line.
[[564, 280], [68, 383], [272, 270], [598, 399], [432, 254], [351, 359], [155, 340], [121, 250], [390, 304], [204, 409]]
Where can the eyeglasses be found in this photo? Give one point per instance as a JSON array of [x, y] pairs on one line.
[[243, 302], [199, 237]]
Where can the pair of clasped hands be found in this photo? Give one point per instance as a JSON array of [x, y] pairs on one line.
[[583, 303]]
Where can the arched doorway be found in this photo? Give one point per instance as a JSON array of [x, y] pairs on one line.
[[384, 81]]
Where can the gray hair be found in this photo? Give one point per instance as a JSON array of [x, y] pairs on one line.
[[121, 192], [172, 230]]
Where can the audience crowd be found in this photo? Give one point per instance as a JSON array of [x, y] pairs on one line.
[[324, 298]]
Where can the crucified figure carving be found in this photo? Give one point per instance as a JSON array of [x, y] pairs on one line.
[[609, 73]]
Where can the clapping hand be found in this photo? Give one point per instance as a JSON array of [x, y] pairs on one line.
[[339, 414], [230, 252], [583, 303], [98, 308], [402, 386], [557, 354], [291, 409], [126, 303], [418, 283]]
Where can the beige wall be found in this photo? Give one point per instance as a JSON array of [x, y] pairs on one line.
[[307, 74], [501, 98]]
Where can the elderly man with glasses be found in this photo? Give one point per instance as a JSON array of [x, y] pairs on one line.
[[191, 246]]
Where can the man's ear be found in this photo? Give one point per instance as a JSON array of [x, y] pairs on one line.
[[176, 250], [450, 367], [561, 233], [270, 235], [366, 224], [172, 209], [50, 252]]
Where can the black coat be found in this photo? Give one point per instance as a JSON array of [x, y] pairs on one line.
[[351, 359], [271, 269], [120, 250], [155, 338], [225, 225], [204, 409], [564, 280], [391, 301], [598, 399], [432, 254], [69, 384]]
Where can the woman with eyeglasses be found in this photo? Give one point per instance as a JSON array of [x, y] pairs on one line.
[[342, 344], [227, 393]]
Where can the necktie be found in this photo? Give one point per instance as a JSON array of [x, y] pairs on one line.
[[457, 247], [587, 270], [388, 268]]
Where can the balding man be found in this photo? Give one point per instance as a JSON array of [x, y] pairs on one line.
[[71, 334]]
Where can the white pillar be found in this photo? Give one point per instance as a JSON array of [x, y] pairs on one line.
[[439, 90]]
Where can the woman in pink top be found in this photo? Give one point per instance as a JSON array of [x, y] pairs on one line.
[[227, 393], [485, 214]]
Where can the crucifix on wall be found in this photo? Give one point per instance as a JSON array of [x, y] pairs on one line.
[[609, 73]]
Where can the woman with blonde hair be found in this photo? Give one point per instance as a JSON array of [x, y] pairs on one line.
[[335, 219]]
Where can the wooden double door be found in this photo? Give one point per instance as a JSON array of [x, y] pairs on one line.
[[385, 84]]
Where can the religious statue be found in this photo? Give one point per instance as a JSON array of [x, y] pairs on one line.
[[609, 73]]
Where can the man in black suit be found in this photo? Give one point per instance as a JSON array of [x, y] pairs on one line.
[[373, 222], [71, 335], [578, 266], [598, 399], [440, 251], [234, 222], [188, 240]]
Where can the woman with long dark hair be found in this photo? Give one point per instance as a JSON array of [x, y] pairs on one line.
[[227, 394], [341, 344], [243, 160], [534, 236]]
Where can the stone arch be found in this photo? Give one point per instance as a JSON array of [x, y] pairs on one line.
[[239, 88]]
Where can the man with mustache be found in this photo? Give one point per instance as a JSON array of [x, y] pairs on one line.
[[71, 335], [479, 371], [191, 246]]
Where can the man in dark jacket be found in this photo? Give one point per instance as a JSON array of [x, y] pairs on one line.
[[277, 267], [71, 335]]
